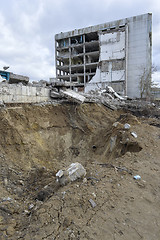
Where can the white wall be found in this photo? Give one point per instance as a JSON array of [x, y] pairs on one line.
[[134, 46], [15, 93], [139, 52], [112, 45]]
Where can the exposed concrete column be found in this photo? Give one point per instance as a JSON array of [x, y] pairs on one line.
[[84, 59], [126, 59], [56, 58], [70, 72]]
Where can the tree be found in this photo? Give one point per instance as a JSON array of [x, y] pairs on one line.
[[146, 83]]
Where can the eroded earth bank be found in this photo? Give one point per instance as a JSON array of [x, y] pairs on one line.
[[38, 140]]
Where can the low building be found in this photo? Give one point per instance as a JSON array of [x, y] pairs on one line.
[[13, 78]]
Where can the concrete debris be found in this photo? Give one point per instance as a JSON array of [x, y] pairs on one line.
[[111, 91], [72, 173], [115, 124], [137, 177], [55, 94], [84, 180], [112, 143], [70, 94], [127, 126], [94, 195], [7, 199], [93, 204], [15, 78], [31, 206], [108, 97], [134, 134]]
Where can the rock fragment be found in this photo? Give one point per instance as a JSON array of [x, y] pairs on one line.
[[72, 173], [127, 126], [93, 204], [134, 134]]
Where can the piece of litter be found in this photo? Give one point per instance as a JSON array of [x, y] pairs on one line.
[[94, 195], [93, 204], [7, 199], [26, 211], [115, 124], [127, 126], [31, 206], [84, 180], [137, 177], [59, 173], [134, 134]]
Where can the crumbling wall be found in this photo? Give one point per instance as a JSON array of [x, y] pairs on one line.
[[17, 93], [125, 55], [111, 67]]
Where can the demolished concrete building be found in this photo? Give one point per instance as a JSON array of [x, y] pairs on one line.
[[116, 54], [13, 78]]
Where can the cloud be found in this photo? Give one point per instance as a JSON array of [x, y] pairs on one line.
[[156, 78], [28, 28], [25, 53]]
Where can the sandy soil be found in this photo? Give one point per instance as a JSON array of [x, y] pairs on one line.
[[38, 140]]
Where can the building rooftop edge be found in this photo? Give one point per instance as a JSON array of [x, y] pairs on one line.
[[102, 26]]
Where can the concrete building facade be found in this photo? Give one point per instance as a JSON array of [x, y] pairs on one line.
[[117, 54]]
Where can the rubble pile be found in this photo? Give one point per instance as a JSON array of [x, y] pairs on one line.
[[107, 97]]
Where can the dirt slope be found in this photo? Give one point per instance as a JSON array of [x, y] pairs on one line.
[[38, 140]]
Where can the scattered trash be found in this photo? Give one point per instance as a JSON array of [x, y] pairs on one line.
[[134, 134], [94, 195], [31, 206], [127, 126], [93, 204], [110, 90], [26, 211], [70, 174], [137, 177], [115, 124], [6, 199], [84, 180]]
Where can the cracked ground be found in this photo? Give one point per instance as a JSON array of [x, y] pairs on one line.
[[37, 141]]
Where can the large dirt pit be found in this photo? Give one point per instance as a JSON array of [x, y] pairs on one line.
[[38, 140]]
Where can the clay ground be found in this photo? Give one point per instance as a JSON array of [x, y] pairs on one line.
[[38, 140]]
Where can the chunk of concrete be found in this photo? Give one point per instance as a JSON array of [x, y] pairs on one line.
[[127, 126], [70, 94], [72, 173], [115, 124], [93, 204], [134, 134]]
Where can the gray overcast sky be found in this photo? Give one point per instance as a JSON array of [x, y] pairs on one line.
[[27, 29]]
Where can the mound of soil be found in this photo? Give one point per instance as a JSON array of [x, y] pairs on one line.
[[38, 140]]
